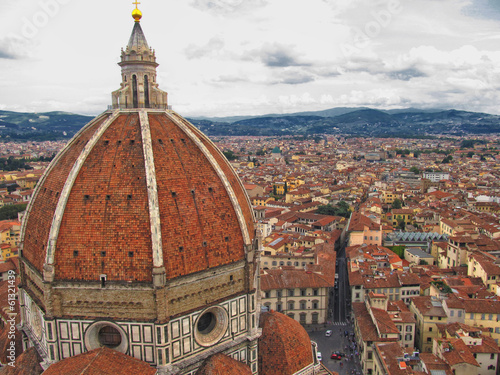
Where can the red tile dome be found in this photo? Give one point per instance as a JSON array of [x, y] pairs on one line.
[[221, 364], [284, 347], [136, 190]]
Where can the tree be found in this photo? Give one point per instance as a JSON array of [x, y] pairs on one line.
[[401, 224], [230, 155], [415, 170], [468, 143], [447, 159], [397, 204], [340, 209], [10, 212], [470, 154], [326, 210], [12, 187], [286, 187]]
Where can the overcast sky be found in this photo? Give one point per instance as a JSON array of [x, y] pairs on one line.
[[241, 57]]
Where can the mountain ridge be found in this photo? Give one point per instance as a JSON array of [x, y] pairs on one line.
[[354, 121]]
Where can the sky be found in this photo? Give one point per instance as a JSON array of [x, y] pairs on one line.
[[253, 57]]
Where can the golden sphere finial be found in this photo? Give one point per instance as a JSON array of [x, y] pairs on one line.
[[136, 13]]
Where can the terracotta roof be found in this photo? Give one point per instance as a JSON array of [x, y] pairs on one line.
[[458, 353], [384, 322], [432, 362], [359, 221], [284, 347], [400, 312], [428, 307], [365, 324], [9, 265], [488, 345], [486, 262], [28, 363], [293, 278], [389, 352], [483, 306], [221, 364], [101, 361]]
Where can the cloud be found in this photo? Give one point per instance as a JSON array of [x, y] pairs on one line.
[[226, 7], [293, 77], [230, 79], [14, 47], [405, 74], [213, 46], [326, 71], [293, 101], [381, 98], [276, 55], [486, 9], [402, 70]]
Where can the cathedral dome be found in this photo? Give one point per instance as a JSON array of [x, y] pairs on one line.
[[136, 190], [138, 195], [140, 238]]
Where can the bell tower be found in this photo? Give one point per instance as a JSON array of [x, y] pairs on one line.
[[138, 62]]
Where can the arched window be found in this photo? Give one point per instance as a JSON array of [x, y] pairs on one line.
[[134, 91], [146, 91]]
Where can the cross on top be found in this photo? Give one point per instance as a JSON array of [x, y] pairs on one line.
[[136, 3]]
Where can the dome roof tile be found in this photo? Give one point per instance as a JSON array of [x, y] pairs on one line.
[[93, 210]]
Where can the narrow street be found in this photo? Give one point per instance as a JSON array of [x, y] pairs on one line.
[[341, 339]]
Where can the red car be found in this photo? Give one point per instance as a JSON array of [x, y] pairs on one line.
[[336, 355]]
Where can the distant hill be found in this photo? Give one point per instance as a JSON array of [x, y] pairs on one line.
[[332, 112], [360, 122], [40, 126], [366, 122]]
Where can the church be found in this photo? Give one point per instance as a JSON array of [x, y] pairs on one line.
[[139, 250]]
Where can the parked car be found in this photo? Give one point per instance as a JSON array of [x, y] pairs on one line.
[[320, 357], [328, 333], [336, 355]]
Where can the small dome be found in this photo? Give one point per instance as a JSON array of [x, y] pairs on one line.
[[102, 361], [221, 364], [284, 347]]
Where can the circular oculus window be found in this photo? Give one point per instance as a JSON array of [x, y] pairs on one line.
[[106, 334], [211, 326]]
